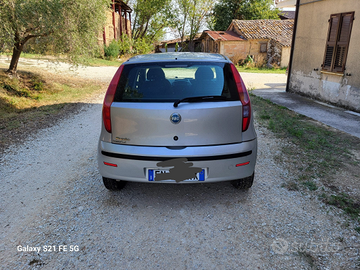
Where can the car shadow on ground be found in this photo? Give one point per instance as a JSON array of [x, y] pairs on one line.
[[177, 196]]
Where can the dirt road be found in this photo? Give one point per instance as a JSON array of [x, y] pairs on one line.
[[56, 214]]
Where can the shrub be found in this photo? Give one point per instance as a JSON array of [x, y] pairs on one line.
[[143, 46], [125, 44], [112, 51]]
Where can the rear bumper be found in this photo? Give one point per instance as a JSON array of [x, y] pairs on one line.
[[219, 161]]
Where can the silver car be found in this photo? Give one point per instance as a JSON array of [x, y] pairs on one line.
[[177, 118]]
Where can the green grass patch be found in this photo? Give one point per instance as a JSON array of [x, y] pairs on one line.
[[261, 70], [345, 202], [30, 96], [98, 62], [32, 56], [310, 185], [314, 151], [322, 150]]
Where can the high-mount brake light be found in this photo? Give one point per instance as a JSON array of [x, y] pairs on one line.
[[244, 98], [109, 98]]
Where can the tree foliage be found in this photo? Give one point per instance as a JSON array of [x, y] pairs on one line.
[[190, 16], [68, 26], [199, 9], [181, 11], [151, 17], [227, 10]]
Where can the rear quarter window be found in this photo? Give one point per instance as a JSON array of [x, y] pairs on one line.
[[168, 82]]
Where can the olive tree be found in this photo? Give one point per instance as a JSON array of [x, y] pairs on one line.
[[69, 26]]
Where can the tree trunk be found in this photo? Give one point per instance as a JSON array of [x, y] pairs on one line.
[[18, 47], [191, 45]]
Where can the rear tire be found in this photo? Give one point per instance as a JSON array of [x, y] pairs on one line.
[[112, 184], [244, 183]]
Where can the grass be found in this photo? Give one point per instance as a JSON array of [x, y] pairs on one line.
[[28, 55], [31, 97], [87, 61], [310, 185], [322, 150], [33, 90], [313, 152], [33, 56], [261, 70], [97, 62], [344, 202]]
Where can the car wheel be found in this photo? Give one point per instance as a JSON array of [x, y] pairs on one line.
[[244, 183], [112, 184]]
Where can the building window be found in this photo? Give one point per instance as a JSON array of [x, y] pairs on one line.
[[337, 42], [263, 47]]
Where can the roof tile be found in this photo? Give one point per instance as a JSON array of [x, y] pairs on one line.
[[278, 30]]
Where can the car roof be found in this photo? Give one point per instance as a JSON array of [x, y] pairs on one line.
[[177, 56]]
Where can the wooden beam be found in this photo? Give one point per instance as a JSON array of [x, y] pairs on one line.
[[130, 21], [121, 27], [104, 36], [114, 25], [126, 28]]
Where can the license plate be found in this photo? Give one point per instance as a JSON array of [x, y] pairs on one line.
[[151, 175]]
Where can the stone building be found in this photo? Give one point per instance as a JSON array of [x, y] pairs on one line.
[[266, 41]]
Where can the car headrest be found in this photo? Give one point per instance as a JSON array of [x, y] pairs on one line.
[[204, 74], [155, 74]]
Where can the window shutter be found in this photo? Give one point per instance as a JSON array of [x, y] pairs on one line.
[[343, 42], [331, 41], [337, 42]]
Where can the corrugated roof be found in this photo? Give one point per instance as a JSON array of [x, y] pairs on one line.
[[223, 35], [278, 30]]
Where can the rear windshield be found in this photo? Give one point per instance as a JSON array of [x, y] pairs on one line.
[[169, 82]]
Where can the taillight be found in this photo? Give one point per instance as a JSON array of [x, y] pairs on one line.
[[109, 98], [244, 98]]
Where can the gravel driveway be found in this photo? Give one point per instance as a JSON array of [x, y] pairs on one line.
[[52, 197]]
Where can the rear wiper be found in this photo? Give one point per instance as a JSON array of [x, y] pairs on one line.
[[199, 99]]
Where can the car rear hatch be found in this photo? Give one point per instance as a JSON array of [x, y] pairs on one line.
[[201, 123], [177, 105]]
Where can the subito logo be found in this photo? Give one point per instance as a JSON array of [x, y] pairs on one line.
[[280, 246]]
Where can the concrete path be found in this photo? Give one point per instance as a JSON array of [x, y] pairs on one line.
[[335, 117]]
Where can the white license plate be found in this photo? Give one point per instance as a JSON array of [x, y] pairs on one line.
[[151, 175]]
